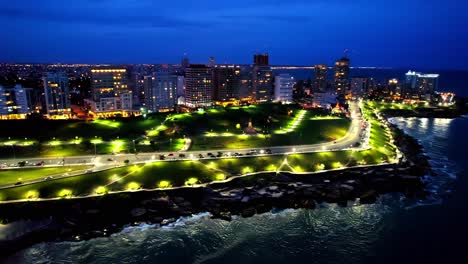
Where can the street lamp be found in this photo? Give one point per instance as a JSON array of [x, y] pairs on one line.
[[134, 147], [14, 154], [170, 144]]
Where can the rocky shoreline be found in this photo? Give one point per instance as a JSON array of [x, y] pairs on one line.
[[78, 219]]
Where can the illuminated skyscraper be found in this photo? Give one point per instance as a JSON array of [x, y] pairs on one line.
[[342, 76], [320, 78], [421, 84], [160, 91], [108, 82], [226, 82], [57, 97], [359, 86], [198, 85], [284, 88], [262, 83], [110, 90], [15, 102]]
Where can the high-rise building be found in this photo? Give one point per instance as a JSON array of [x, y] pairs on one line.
[[57, 97], [180, 86], [421, 84], [342, 76], [359, 86], [185, 61], [262, 83], [284, 88], [211, 62], [320, 78], [261, 59], [110, 90], [161, 92], [198, 85], [394, 88], [246, 83], [15, 102], [107, 82], [226, 83]]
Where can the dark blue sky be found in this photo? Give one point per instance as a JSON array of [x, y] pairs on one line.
[[393, 33]]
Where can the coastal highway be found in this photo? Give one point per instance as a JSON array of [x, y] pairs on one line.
[[354, 139]]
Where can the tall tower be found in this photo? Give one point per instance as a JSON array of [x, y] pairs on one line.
[[185, 61], [320, 78], [261, 59], [342, 75], [226, 82], [198, 85], [211, 62], [57, 97]]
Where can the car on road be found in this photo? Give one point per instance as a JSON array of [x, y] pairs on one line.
[[50, 178], [181, 155], [220, 154], [268, 151], [40, 163], [89, 171], [161, 157], [18, 183], [200, 156], [110, 159]]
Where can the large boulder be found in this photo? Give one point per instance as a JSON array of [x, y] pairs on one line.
[[368, 197], [248, 212]]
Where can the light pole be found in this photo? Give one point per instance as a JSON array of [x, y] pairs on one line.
[[14, 154], [95, 151], [170, 144], [134, 147]]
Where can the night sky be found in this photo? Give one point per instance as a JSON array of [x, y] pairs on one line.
[[393, 33]]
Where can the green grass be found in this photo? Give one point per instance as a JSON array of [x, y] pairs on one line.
[[309, 131], [14, 175], [87, 148]]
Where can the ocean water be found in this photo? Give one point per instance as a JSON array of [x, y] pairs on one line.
[[393, 230]]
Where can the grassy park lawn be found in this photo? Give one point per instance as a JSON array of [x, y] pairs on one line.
[[14, 175], [308, 132], [58, 148]]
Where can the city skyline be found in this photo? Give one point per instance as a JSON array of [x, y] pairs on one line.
[[293, 33]]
